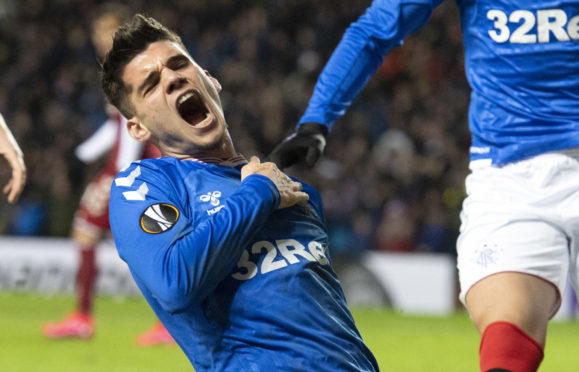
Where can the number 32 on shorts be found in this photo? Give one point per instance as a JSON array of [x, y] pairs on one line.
[[548, 21], [289, 249]]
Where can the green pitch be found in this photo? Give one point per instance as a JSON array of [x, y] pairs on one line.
[[401, 343]]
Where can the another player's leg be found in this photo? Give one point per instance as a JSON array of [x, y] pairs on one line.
[[79, 323], [89, 226], [511, 311]]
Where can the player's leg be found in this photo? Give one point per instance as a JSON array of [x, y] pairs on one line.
[[87, 270], [511, 311], [79, 323], [513, 256]]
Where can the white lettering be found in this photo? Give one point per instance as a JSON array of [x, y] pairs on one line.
[[269, 263], [551, 20], [521, 34], [480, 150], [215, 210], [501, 32], [289, 249], [573, 28], [290, 254], [548, 21], [247, 268], [319, 252]]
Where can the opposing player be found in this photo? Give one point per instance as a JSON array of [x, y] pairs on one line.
[[91, 222], [520, 220], [232, 256], [10, 150]]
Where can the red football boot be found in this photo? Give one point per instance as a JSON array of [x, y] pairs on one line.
[[156, 335], [75, 325]]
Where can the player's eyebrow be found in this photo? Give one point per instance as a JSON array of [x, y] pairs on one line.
[[176, 59], [154, 75]]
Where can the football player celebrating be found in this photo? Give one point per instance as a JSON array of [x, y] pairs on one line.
[[520, 221], [10, 150], [232, 256]]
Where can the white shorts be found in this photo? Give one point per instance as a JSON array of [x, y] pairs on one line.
[[521, 217]]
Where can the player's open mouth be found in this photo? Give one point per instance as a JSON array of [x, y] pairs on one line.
[[191, 108]]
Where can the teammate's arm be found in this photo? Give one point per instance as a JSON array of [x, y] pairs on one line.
[[365, 43], [11, 151]]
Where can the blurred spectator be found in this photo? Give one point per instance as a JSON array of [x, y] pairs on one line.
[[268, 54]]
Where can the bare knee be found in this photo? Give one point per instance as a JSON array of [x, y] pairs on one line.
[[524, 300]]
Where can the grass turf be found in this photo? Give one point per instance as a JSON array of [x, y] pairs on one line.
[[400, 343]]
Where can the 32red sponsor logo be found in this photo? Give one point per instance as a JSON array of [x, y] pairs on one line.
[[542, 26], [278, 255]]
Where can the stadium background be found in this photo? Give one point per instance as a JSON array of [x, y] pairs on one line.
[[391, 178], [392, 175]]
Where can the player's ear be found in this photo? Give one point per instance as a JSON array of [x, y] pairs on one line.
[[214, 81], [137, 130]]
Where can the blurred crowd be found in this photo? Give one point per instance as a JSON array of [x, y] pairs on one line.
[[393, 172]]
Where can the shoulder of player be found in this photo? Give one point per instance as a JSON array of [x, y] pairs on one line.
[[153, 166], [150, 186], [159, 171]]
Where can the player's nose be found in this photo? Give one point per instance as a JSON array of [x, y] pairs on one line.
[[173, 81]]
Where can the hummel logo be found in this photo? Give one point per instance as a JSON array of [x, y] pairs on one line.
[[215, 210], [213, 197]]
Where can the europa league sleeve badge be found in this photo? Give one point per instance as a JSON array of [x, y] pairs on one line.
[[159, 218]]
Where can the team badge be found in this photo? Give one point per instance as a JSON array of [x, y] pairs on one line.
[[159, 218]]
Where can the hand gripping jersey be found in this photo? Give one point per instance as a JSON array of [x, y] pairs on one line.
[[522, 62], [240, 285]]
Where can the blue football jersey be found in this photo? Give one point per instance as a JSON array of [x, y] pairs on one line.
[[239, 284], [521, 60]]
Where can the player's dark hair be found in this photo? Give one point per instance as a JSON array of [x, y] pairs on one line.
[[130, 39]]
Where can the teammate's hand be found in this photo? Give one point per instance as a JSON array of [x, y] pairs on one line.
[[305, 146], [10, 150], [290, 191], [15, 186]]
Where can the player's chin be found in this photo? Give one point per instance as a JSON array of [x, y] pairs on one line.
[[214, 141]]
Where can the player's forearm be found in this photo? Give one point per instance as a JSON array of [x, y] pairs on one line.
[[7, 142], [360, 52]]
